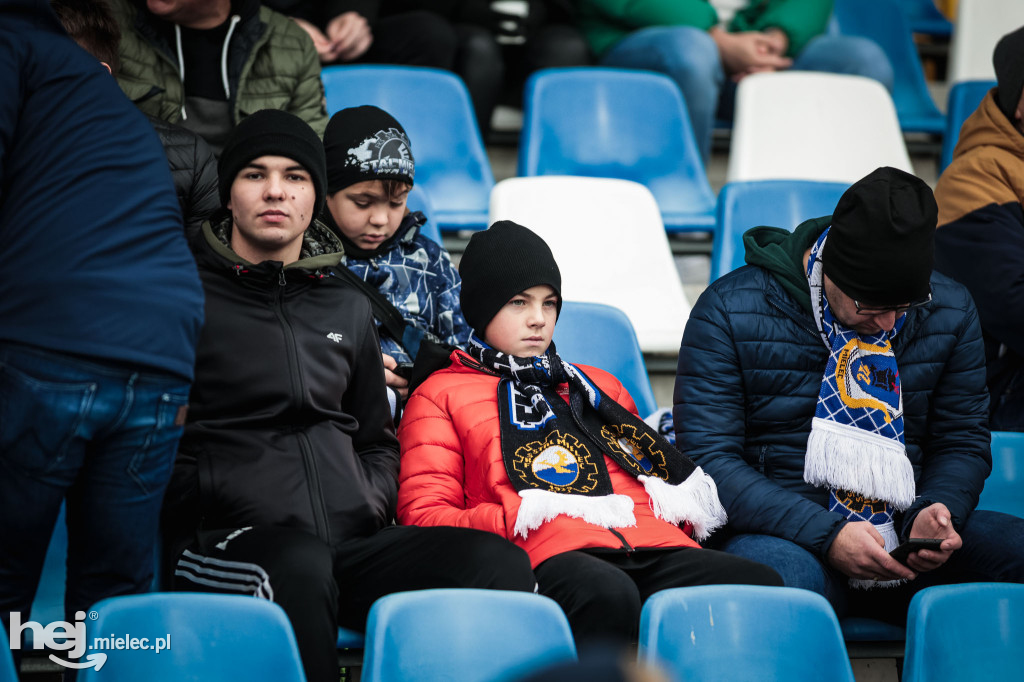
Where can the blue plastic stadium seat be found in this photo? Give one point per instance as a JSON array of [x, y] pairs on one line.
[[212, 637], [743, 632], [602, 336], [434, 108], [964, 99], [618, 123], [350, 639], [1004, 488], [463, 634], [884, 22], [779, 203], [419, 200], [960, 633], [7, 671], [870, 630], [924, 17]]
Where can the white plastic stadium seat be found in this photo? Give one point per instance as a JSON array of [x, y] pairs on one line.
[[611, 248], [801, 125]]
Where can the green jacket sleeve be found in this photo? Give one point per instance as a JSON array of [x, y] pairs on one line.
[[635, 14], [800, 20], [308, 102]]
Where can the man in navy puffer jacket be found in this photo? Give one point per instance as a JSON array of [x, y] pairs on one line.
[[835, 391]]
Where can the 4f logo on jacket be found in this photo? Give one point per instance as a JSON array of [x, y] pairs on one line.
[[334, 336]]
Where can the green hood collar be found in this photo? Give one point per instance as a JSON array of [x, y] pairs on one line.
[[320, 247], [781, 253]]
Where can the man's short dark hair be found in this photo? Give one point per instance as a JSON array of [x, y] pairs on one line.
[[91, 24]]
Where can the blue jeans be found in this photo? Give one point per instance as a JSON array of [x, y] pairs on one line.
[[993, 551], [690, 57], [100, 436]]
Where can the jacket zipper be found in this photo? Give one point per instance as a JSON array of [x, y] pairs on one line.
[[800, 323], [625, 545], [316, 497]]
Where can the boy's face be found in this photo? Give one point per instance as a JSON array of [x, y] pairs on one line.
[[271, 205], [524, 326], [366, 213]]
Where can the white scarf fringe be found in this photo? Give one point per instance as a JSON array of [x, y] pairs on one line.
[[694, 500], [888, 532], [852, 459], [540, 506]]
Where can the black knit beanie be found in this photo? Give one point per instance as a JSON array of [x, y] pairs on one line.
[[499, 263], [882, 242], [366, 143], [271, 132], [1008, 59]]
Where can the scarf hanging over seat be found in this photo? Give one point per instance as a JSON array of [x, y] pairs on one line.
[[554, 452]]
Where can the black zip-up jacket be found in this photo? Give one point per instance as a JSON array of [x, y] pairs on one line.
[[289, 423]]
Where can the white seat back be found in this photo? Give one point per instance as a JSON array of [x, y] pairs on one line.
[[611, 248], [801, 125]]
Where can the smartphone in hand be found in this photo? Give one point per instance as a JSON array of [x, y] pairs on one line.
[[901, 553]]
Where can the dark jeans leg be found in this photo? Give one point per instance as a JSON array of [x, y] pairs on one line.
[[104, 436], [414, 39], [284, 565], [479, 62], [402, 558]]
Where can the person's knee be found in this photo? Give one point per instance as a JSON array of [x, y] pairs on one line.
[[796, 566], [432, 41], [852, 55], [493, 562]]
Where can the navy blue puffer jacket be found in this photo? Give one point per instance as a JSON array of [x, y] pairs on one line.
[[750, 369]]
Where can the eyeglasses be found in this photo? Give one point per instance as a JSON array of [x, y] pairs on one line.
[[867, 310]]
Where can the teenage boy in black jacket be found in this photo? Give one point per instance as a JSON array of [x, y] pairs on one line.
[[286, 478]]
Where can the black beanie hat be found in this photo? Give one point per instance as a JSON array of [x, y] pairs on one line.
[[1008, 59], [272, 132], [882, 242], [499, 263], [366, 143]]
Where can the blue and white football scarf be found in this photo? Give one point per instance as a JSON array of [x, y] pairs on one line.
[[856, 447], [554, 451]]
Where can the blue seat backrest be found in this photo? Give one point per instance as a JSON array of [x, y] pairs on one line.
[[743, 632], [602, 336], [617, 123], [434, 108], [778, 203], [884, 22], [463, 634], [964, 98], [972, 631], [1004, 488], [419, 200]]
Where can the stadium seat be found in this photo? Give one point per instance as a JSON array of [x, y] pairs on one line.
[[419, 201], [779, 203], [979, 26], [212, 637], [965, 633], [884, 22], [743, 632], [611, 247], [1004, 488], [799, 125], [601, 336], [434, 108], [618, 123], [964, 98], [463, 635], [924, 17]]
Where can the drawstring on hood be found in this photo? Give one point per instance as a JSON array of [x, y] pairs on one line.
[[235, 20]]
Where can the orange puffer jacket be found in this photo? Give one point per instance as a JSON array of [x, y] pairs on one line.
[[452, 472]]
